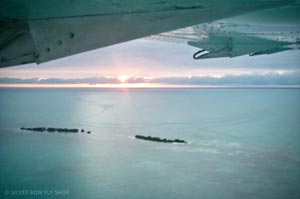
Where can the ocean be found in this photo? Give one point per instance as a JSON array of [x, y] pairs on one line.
[[242, 143]]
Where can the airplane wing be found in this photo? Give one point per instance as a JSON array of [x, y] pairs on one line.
[[233, 46], [230, 44], [229, 38], [220, 40], [40, 31]]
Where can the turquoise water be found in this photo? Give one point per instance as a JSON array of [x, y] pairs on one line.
[[242, 143]]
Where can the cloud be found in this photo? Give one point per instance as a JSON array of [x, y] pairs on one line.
[[90, 80], [251, 79], [285, 79], [6, 80]]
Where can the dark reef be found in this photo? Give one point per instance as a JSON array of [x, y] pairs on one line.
[[157, 139], [52, 130]]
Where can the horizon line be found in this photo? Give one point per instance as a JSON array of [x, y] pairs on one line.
[[141, 86]]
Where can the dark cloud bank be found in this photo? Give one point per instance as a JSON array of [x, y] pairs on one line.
[[253, 79]]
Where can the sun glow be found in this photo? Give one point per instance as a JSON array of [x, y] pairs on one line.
[[123, 78]]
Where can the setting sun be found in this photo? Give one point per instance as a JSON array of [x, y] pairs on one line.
[[123, 78]]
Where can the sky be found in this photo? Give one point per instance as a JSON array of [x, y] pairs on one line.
[[149, 62]]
